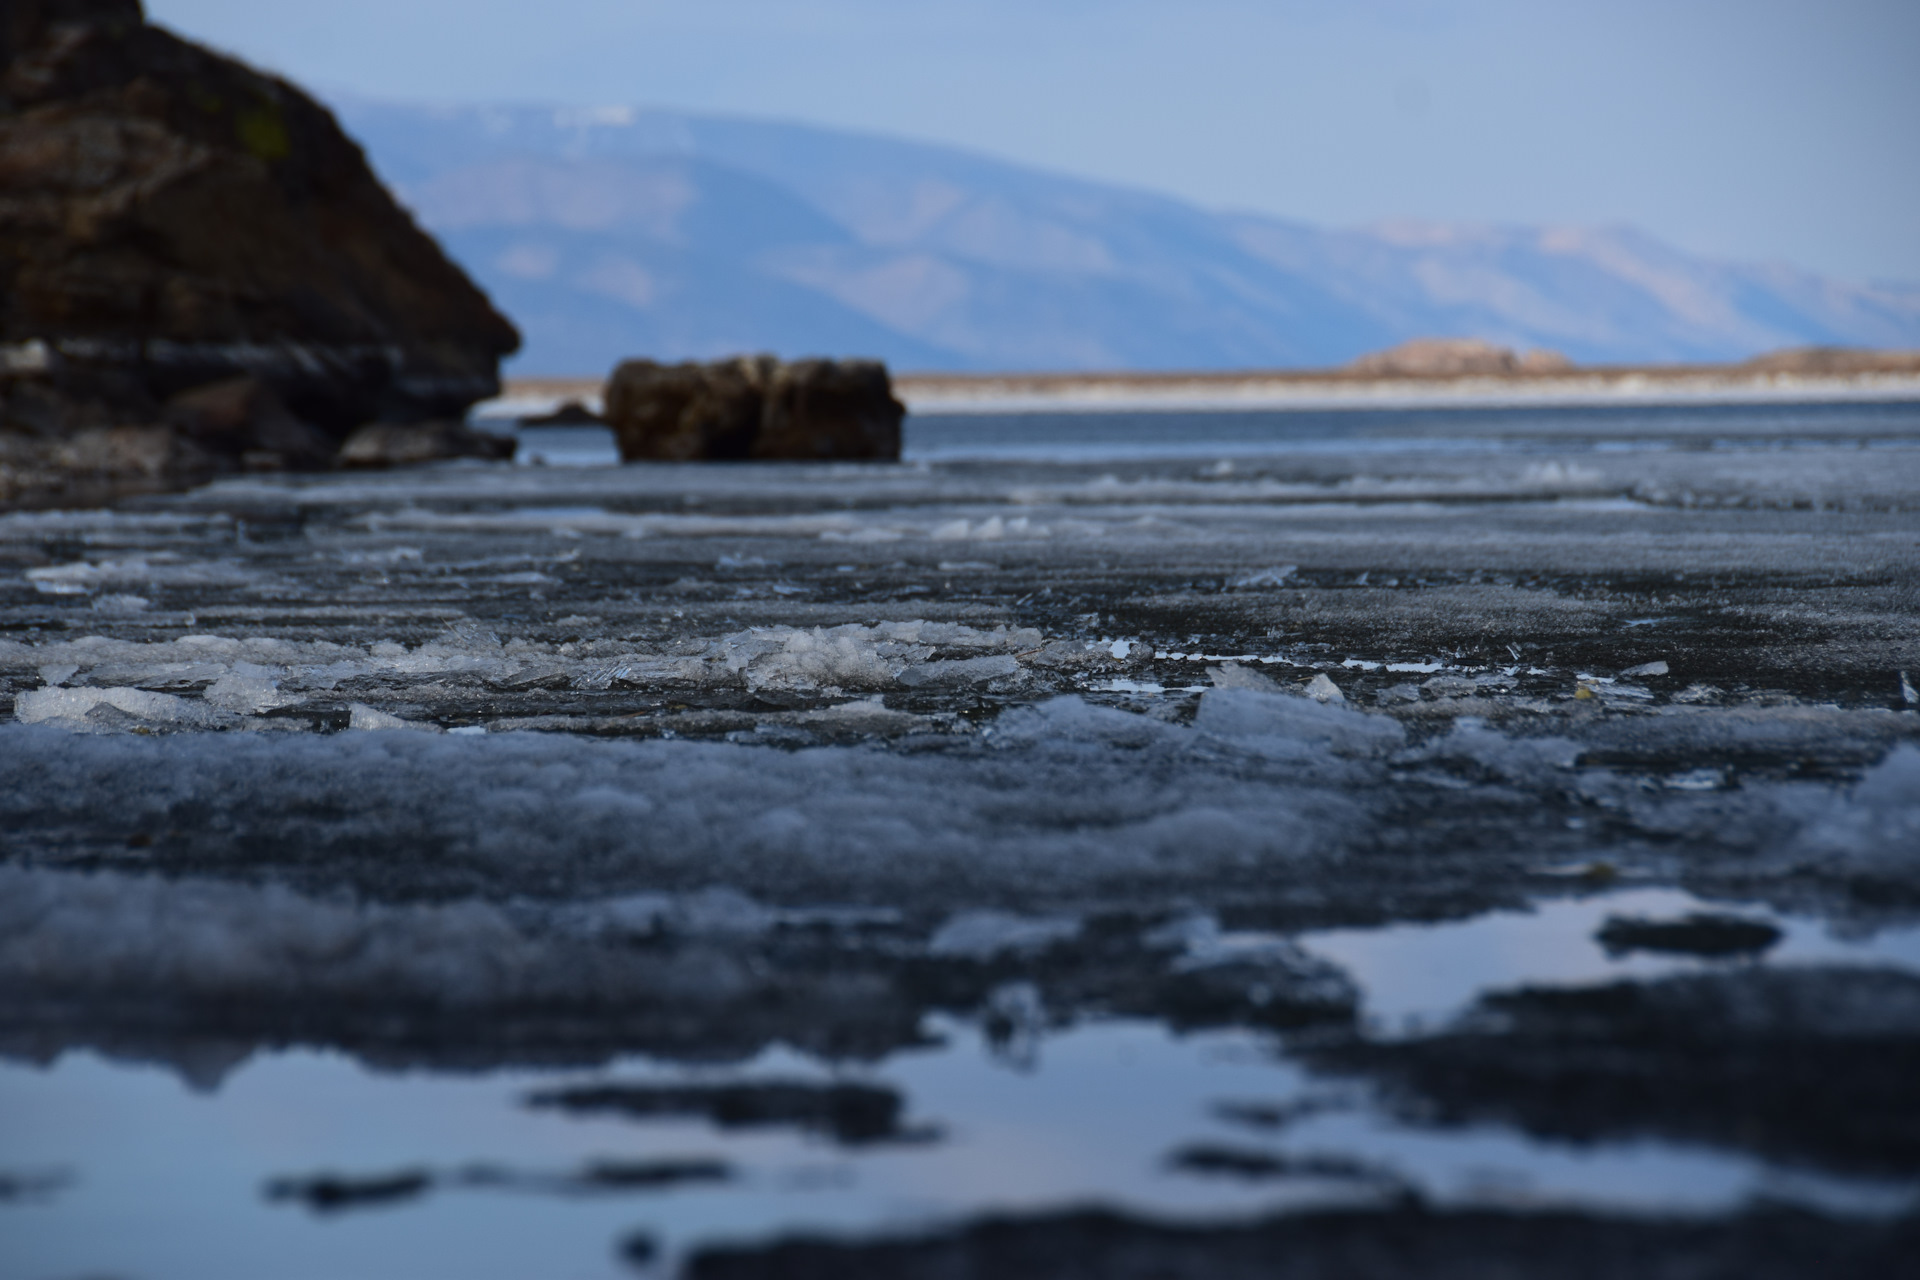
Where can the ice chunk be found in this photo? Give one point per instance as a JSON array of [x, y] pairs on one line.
[[1536, 761], [248, 693], [1558, 475], [362, 716], [1274, 577], [1879, 827], [870, 533], [964, 671], [1622, 695], [877, 657], [1322, 689], [992, 529], [787, 658], [84, 578], [79, 708], [1647, 669], [719, 912], [57, 586], [982, 935], [1231, 675], [1247, 713]]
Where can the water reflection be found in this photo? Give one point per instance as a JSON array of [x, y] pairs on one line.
[[460, 1174]]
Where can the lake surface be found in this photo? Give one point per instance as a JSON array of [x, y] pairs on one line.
[[1089, 435]]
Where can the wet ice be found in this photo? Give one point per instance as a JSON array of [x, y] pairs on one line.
[[1042, 758]]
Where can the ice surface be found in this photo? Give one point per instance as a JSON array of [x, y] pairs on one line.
[[1063, 799], [852, 758], [257, 674], [1044, 802]]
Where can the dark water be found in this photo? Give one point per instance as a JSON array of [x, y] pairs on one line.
[[1265, 432], [145, 1173]]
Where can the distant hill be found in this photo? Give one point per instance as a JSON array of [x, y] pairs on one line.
[[618, 232]]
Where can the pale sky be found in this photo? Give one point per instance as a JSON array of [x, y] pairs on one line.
[[1757, 130]]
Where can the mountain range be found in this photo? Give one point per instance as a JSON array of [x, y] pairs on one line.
[[616, 232]]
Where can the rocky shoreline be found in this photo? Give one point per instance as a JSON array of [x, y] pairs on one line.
[[200, 272]]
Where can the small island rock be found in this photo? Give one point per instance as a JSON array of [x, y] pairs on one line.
[[754, 407]]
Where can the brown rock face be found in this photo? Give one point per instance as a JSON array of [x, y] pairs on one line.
[[170, 218], [754, 407], [244, 417]]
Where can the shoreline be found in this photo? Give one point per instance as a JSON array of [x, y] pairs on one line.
[[1322, 389]]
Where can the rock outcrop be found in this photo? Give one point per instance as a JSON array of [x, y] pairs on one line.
[[1835, 361], [754, 407], [1452, 358], [172, 219]]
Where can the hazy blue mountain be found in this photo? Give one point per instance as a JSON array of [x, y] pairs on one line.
[[619, 232]]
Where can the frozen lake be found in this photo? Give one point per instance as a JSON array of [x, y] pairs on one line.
[[1172, 837]]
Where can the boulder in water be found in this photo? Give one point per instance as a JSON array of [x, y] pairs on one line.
[[754, 407]]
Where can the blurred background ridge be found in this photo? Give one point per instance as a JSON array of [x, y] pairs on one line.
[[607, 231]]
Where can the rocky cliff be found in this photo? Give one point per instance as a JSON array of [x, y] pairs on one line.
[[171, 218]]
